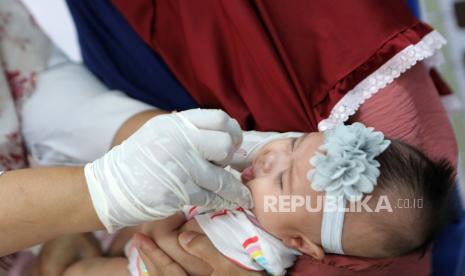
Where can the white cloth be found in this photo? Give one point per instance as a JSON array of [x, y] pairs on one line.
[[235, 235], [72, 117], [136, 266]]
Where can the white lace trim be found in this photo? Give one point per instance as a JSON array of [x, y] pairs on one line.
[[389, 71]]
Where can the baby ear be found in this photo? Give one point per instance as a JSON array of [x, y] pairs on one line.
[[306, 246]]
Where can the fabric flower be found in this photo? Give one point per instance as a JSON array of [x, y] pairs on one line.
[[348, 167]]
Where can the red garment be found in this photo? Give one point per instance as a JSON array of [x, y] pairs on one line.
[[273, 65], [337, 265]]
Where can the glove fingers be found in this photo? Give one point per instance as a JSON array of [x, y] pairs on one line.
[[215, 146], [221, 182], [214, 119], [210, 201]]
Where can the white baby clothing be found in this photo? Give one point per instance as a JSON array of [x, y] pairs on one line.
[[238, 237]]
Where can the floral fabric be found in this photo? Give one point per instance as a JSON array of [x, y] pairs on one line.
[[24, 51]]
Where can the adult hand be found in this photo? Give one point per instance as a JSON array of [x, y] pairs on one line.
[[164, 166], [158, 263], [251, 144]]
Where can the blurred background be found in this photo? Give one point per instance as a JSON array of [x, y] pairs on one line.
[[448, 17]]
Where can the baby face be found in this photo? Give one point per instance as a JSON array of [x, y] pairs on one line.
[[280, 169]]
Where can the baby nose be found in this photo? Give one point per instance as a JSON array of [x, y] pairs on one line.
[[267, 161]]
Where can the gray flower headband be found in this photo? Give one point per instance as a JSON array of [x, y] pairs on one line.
[[346, 171]]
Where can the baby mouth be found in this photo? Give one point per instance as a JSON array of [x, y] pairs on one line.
[[247, 174]]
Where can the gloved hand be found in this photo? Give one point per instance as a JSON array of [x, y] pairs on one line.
[[251, 144], [165, 166]]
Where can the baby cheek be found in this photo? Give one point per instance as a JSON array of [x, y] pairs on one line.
[[256, 193], [270, 220], [261, 190], [262, 194]]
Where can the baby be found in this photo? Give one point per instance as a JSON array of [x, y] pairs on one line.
[[345, 191]]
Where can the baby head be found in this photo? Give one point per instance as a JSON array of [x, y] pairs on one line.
[[400, 215]]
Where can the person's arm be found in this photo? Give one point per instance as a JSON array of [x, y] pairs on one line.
[[40, 204], [133, 183]]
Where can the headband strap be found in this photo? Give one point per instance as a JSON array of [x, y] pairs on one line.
[[345, 172], [331, 226]]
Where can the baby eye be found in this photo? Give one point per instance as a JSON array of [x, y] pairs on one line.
[[294, 140], [281, 180]]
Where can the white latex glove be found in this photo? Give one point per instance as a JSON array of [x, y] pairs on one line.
[[252, 141], [163, 167]]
